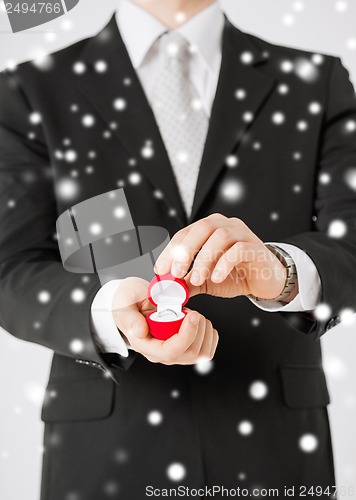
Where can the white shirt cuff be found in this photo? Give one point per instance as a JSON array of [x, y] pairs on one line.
[[308, 280], [105, 332]]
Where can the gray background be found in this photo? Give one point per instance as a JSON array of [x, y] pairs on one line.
[[327, 26]]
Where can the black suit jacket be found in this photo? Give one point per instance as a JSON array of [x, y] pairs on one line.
[[98, 439]]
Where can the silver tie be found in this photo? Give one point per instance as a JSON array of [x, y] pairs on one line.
[[180, 116]]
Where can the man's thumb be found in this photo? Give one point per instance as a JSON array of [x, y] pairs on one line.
[[132, 323]]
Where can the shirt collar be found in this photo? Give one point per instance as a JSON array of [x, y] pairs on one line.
[[139, 30]]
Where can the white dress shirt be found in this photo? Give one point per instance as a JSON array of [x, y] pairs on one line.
[[139, 31]]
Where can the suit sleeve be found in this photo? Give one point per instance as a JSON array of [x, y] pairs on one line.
[[40, 301], [332, 246]]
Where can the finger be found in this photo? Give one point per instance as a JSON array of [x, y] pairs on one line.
[[242, 251], [131, 322], [194, 349], [164, 262], [175, 346], [207, 343], [193, 290], [191, 244], [184, 246], [216, 245], [168, 351], [214, 344]]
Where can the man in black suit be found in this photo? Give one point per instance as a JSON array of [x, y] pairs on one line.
[[274, 141]]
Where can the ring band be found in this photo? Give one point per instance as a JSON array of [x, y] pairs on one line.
[[164, 313]]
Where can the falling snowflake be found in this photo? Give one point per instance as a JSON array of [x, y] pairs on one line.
[[306, 70], [347, 316], [88, 120], [283, 88], [334, 367], [297, 188], [100, 66], [11, 203], [232, 190], [119, 104], [288, 20], [79, 68], [322, 312], [351, 44], [67, 24], [247, 117], [287, 66], [196, 104], [240, 94], [350, 126], [180, 17], [324, 178], [176, 472], [317, 59], [147, 151], [42, 60], [204, 367], [121, 456], [95, 229], [44, 297], [298, 6], [255, 322], [111, 488], [278, 118], [175, 394], [158, 194], [245, 428], [258, 390], [70, 156], [308, 443], [119, 212], [246, 57], [172, 212], [241, 476], [297, 156], [67, 189], [134, 178], [155, 417], [35, 118], [274, 216], [89, 169], [341, 6], [302, 126], [315, 108], [337, 229], [232, 161], [107, 134], [78, 295], [76, 346], [35, 392], [180, 253], [182, 157]]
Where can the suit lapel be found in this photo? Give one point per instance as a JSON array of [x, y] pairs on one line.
[[228, 122], [137, 127]]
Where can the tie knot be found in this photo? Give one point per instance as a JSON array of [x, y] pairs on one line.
[[174, 46]]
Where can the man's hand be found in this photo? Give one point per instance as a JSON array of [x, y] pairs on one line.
[[196, 340], [230, 260]]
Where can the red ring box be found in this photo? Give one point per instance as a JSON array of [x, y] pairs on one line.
[[169, 294]]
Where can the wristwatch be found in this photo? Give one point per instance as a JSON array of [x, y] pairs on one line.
[[291, 279]]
